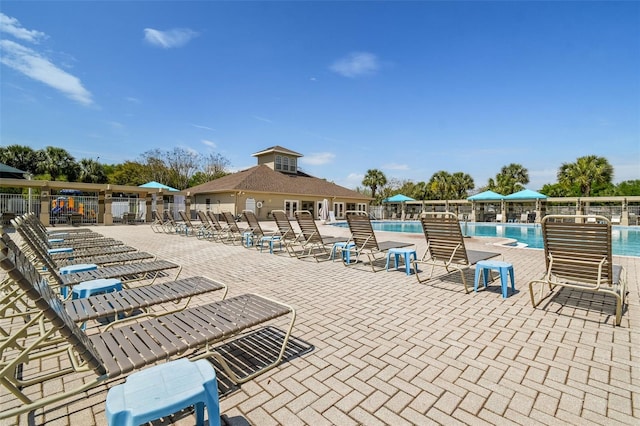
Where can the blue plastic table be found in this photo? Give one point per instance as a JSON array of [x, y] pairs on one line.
[[270, 240], [485, 266], [60, 250], [99, 286], [72, 269], [165, 389], [346, 251], [247, 239], [406, 253]]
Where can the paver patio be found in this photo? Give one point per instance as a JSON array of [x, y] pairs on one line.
[[387, 350]]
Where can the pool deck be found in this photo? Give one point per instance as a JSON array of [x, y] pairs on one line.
[[387, 350]]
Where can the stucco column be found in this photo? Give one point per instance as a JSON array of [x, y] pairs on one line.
[[541, 210], [108, 216], [160, 204], [187, 204], [624, 215], [579, 210], [148, 204], [473, 216], [100, 212], [45, 205]]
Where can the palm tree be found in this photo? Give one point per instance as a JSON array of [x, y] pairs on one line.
[[512, 178], [440, 185], [56, 162], [374, 179], [461, 183], [420, 191], [90, 171], [585, 173]]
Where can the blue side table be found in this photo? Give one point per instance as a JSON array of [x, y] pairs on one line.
[[93, 287], [165, 389], [345, 248], [504, 268], [72, 269], [406, 253], [60, 250], [247, 239], [270, 240]]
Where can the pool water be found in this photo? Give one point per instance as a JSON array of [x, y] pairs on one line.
[[625, 239]]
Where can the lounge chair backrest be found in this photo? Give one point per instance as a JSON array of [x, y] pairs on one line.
[[252, 220], [203, 218], [24, 274], [214, 221], [231, 222], [38, 247], [308, 226], [444, 237], [284, 225], [578, 249], [185, 218], [362, 233]]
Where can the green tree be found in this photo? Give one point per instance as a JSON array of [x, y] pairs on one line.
[[512, 178], [420, 191], [585, 174], [628, 188], [440, 185], [20, 157], [554, 190], [129, 173], [461, 184], [90, 171], [56, 162], [374, 179]]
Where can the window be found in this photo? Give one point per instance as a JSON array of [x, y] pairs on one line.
[[285, 163], [292, 165], [278, 165]]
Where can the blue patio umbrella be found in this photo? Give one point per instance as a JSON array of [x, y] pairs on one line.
[[398, 198], [525, 194], [158, 185], [486, 196]]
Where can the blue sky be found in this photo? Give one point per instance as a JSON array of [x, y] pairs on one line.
[[410, 88]]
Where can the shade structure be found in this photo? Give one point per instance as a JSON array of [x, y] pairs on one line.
[[525, 194], [9, 172], [486, 196], [398, 198], [157, 185]]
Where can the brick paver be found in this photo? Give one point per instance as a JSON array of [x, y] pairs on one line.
[[387, 350]]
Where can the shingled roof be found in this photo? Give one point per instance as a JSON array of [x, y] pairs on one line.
[[277, 148], [262, 178]]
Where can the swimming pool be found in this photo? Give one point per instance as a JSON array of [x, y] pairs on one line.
[[625, 239]]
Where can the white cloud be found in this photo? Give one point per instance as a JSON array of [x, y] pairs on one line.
[[266, 120], [176, 37], [197, 126], [356, 64], [353, 180], [33, 65], [208, 143], [318, 158], [12, 26], [133, 100], [395, 166], [116, 125]]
